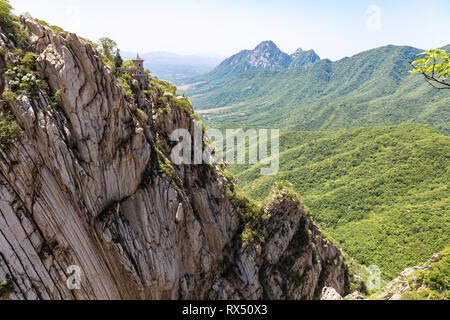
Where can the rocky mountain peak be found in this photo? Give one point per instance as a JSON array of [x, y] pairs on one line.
[[268, 45], [297, 53], [268, 56], [265, 55], [302, 58]]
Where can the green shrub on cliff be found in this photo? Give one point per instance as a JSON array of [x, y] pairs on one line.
[[8, 96], [9, 131], [22, 76], [5, 286]]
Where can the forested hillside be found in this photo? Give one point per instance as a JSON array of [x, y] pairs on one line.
[[382, 192]]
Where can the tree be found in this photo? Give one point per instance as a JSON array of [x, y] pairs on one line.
[[6, 21], [110, 53], [435, 67], [107, 47], [118, 61]]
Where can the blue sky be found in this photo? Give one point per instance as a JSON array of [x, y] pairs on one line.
[[334, 29]]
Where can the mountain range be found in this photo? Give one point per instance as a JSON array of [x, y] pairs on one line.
[[266, 56], [374, 87]]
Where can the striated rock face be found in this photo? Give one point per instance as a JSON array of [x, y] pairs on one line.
[[294, 262], [83, 186]]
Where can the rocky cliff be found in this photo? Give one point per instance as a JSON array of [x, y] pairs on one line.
[[87, 181]]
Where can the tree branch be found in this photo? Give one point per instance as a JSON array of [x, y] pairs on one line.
[[432, 79]]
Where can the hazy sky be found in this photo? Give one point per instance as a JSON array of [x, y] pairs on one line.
[[334, 29]]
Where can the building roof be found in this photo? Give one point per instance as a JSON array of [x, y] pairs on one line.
[[138, 58]]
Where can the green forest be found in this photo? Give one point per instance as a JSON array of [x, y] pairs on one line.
[[382, 193]]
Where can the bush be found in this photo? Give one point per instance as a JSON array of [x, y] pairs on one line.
[[185, 105], [128, 92], [142, 114], [167, 87], [8, 96], [251, 212], [107, 61], [126, 76], [5, 286], [421, 294], [56, 100], [29, 61], [128, 64], [42, 22], [9, 131], [58, 30], [129, 95], [22, 75]]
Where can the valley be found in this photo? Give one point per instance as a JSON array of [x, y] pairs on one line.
[[363, 141], [381, 193]]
